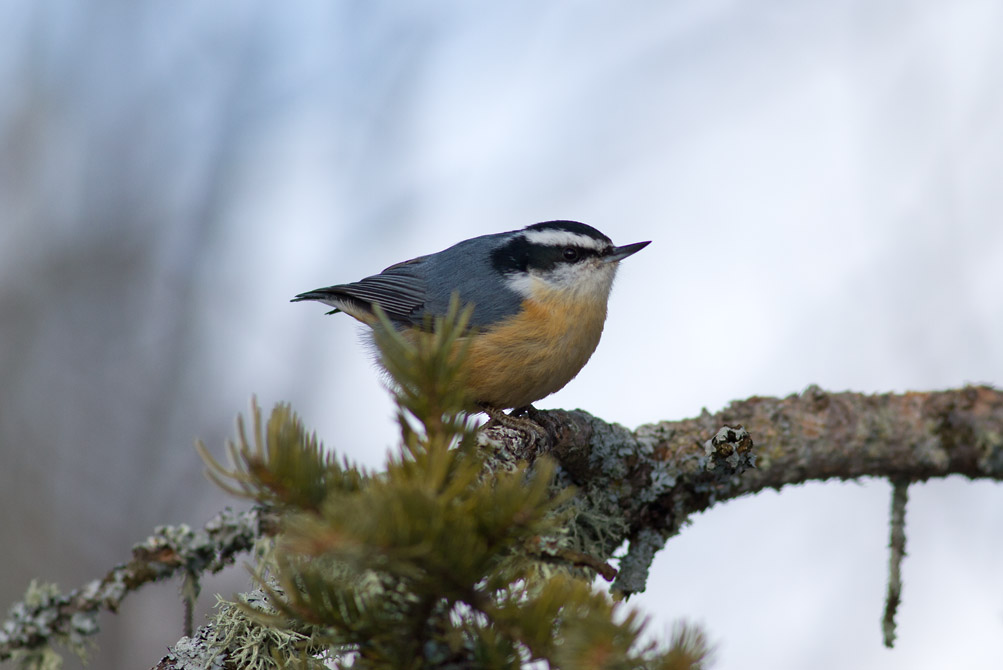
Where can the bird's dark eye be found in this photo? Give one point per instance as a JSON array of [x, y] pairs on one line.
[[570, 254]]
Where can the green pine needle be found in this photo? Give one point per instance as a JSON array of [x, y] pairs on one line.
[[434, 562]]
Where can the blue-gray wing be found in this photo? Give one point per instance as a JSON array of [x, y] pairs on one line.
[[414, 290], [466, 269], [400, 290]]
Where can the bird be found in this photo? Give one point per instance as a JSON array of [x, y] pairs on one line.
[[539, 299]]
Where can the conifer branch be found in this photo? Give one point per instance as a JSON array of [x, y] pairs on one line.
[[442, 560], [640, 486]]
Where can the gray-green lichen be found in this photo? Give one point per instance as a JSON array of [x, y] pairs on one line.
[[248, 634], [634, 567], [35, 624], [195, 653]]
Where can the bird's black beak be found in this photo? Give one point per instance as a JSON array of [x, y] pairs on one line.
[[619, 253]]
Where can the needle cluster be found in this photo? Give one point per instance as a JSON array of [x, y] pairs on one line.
[[433, 562]]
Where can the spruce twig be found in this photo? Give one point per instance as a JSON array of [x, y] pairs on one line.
[[438, 561]]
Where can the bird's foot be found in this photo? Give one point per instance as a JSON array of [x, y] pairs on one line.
[[534, 432]]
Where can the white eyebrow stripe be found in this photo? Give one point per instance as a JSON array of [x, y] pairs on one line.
[[562, 238]]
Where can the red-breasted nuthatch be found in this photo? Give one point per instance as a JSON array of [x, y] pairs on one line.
[[539, 304]]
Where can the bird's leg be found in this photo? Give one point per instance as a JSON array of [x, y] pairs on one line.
[[534, 432]]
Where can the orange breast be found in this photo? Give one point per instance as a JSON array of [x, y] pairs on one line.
[[534, 354]]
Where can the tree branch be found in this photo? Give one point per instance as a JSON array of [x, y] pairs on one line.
[[913, 436], [46, 615], [643, 485], [638, 486]]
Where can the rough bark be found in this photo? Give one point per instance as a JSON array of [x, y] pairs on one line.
[[655, 476]]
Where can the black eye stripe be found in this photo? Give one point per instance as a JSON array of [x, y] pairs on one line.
[[519, 255], [573, 254]]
